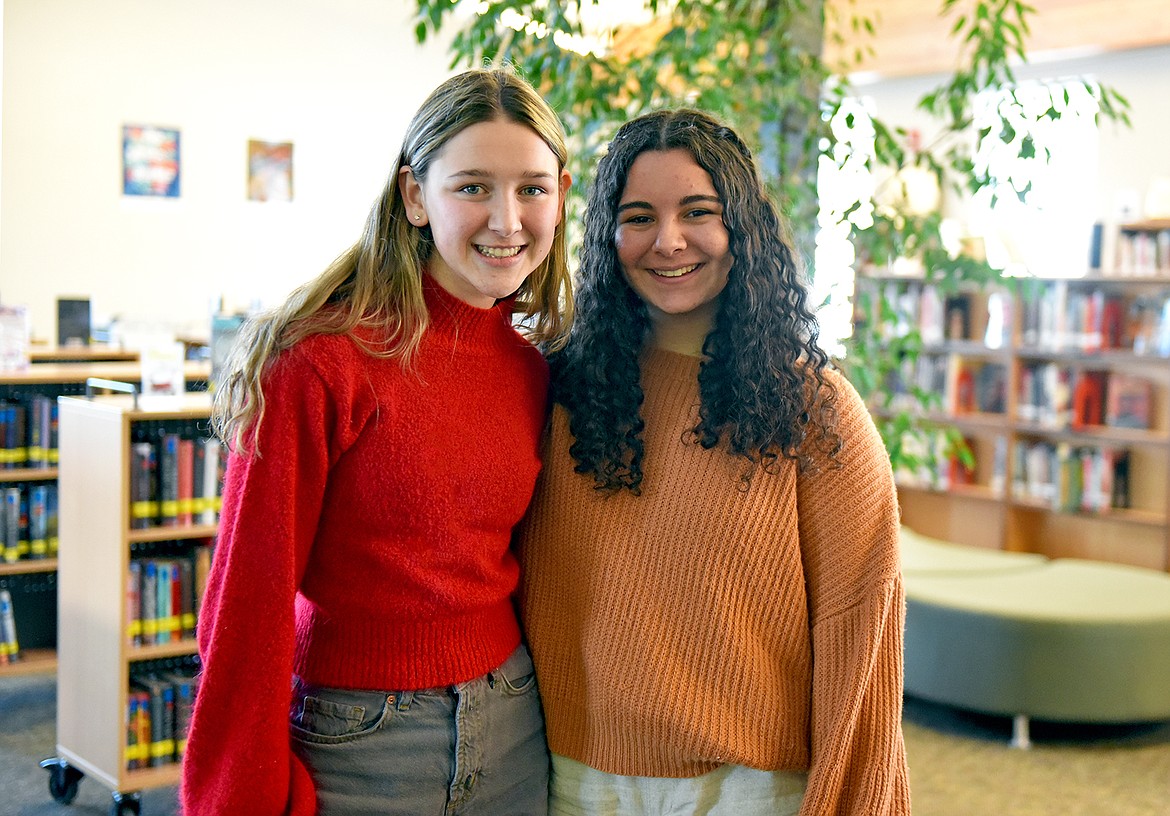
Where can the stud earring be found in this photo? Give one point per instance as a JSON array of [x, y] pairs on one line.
[[417, 217]]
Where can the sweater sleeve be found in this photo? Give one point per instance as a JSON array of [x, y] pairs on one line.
[[239, 758], [848, 530]]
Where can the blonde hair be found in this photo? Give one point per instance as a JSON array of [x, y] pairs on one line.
[[377, 283]]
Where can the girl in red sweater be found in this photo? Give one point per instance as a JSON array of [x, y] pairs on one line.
[[360, 648]]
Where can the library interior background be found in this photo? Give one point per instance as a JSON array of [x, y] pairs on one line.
[[167, 169]]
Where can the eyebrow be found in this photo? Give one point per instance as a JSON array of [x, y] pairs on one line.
[[476, 173], [691, 199]]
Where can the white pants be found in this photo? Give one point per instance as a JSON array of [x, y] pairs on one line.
[[730, 790]]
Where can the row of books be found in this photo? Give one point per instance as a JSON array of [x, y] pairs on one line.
[[1060, 396], [1058, 316], [940, 316], [9, 642], [176, 475], [28, 521], [28, 432], [163, 592], [158, 713], [1065, 316], [1142, 253], [1071, 478], [963, 385]]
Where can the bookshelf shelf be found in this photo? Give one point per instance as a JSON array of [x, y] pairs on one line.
[[186, 646], [1074, 458], [113, 590], [33, 661], [29, 566], [183, 532], [28, 475]]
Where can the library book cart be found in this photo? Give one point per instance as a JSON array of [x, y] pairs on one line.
[[28, 482], [109, 644]]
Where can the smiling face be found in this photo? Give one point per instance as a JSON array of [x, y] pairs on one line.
[[492, 197], [673, 246]]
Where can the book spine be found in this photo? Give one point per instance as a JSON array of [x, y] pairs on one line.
[[212, 480], [186, 478], [143, 498], [11, 518], [134, 603], [9, 643], [168, 479], [149, 614], [38, 521], [186, 595], [53, 518], [162, 610]]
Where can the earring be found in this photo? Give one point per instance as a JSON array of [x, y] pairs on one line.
[[417, 217]]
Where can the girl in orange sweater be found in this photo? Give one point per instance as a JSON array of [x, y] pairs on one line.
[[710, 579]]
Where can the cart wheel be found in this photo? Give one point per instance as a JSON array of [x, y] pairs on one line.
[[63, 779], [125, 803]]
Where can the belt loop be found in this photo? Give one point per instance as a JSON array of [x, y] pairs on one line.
[[401, 700]]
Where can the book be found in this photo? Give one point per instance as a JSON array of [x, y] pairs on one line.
[[149, 597], [134, 603], [168, 479], [1088, 399], [184, 692], [73, 322], [38, 521], [1128, 401], [9, 642], [991, 388], [143, 485], [11, 524], [137, 750], [186, 480]]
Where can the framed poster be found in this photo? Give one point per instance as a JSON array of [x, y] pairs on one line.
[[270, 171], [150, 161]]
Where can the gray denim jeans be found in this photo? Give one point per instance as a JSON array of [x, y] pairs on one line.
[[474, 749]]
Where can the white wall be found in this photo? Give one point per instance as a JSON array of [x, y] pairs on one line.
[[338, 78]]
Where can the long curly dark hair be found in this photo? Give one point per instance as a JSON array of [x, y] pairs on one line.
[[762, 385]]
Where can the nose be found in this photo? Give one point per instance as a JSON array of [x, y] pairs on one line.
[[504, 219], [669, 239]]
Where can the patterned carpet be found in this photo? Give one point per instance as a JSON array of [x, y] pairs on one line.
[[960, 765]]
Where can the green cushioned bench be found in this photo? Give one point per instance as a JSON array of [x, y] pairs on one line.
[[1023, 636]]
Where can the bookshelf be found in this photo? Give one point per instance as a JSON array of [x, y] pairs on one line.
[[28, 571], [1061, 390], [104, 648]]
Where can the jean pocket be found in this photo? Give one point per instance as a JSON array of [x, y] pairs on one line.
[[330, 716], [517, 675]]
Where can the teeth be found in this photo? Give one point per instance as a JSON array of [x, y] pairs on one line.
[[673, 273], [499, 252]]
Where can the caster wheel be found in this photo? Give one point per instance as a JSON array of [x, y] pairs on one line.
[[63, 780], [126, 803]]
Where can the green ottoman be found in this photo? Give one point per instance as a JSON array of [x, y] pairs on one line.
[[1065, 640]]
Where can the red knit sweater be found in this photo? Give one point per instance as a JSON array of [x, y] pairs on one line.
[[367, 546]]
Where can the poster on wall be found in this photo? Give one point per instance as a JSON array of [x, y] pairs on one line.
[[270, 171], [150, 161]]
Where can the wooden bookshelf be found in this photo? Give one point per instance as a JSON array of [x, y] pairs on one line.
[[97, 657], [1042, 469]]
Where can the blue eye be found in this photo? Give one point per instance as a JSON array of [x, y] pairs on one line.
[[471, 189]]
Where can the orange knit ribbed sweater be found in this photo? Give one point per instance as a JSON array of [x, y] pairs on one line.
[[701, 623]]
